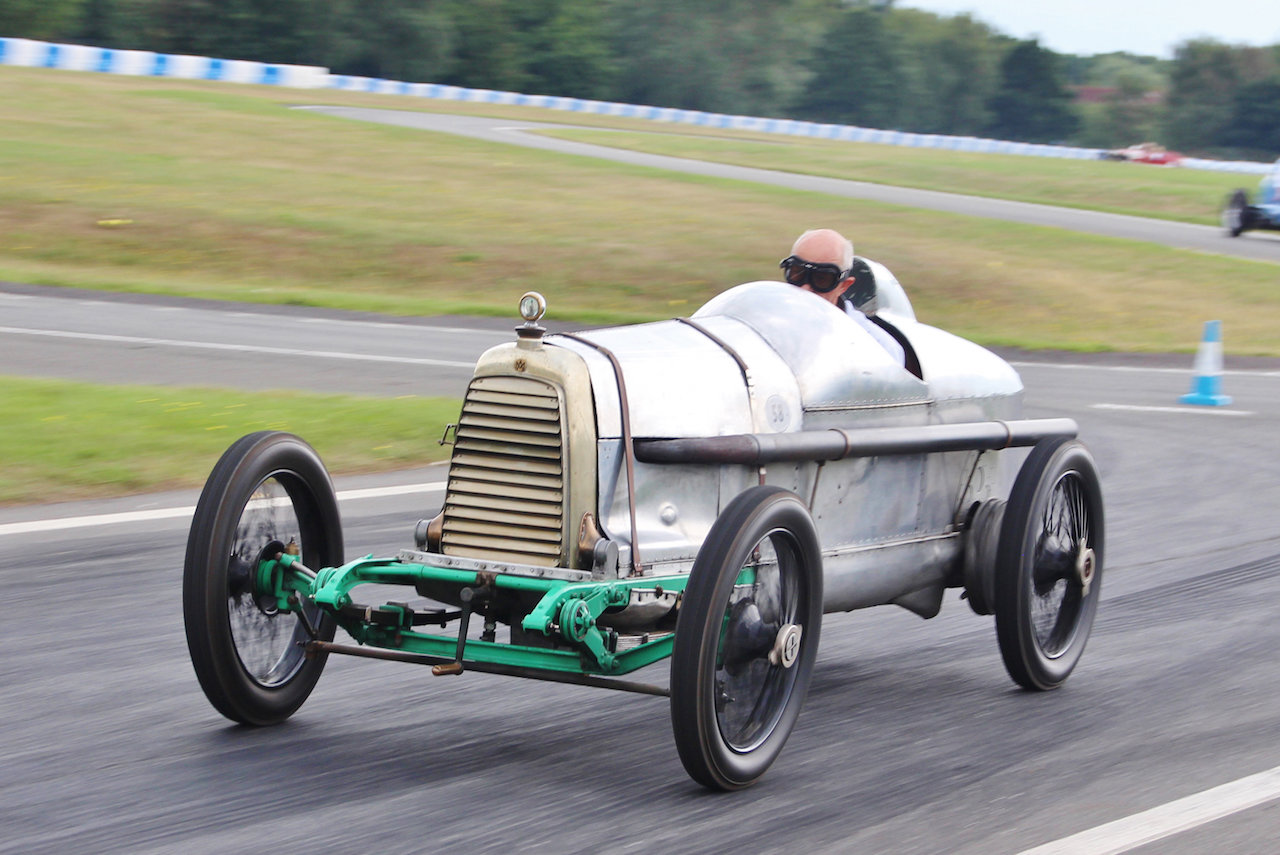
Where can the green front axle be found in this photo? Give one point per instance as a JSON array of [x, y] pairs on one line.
[[566, 613]]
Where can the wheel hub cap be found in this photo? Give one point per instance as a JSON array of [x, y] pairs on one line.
[[1086, 568], [786, 646]]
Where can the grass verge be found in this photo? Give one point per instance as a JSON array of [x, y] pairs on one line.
[[66, 440], [209, 190]]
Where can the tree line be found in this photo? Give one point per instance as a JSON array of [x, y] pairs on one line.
[[859, 62]]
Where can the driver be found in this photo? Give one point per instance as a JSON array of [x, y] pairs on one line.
[[1269, 187], [821, 263]]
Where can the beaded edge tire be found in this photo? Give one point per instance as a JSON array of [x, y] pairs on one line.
[[263, 484]]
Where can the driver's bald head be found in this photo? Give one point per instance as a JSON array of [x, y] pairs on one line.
[[824, 246]]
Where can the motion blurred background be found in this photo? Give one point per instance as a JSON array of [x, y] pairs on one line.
[[952, 70]]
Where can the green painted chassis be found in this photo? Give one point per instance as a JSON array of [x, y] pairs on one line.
[[566, 612]]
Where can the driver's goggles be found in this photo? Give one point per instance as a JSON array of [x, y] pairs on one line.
[[819, 277]]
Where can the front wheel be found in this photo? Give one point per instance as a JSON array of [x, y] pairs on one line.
[[1048, 572], [746, 638], [267, 490]]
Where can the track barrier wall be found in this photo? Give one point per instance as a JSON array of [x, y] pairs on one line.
[[27, 52], [35, 54]]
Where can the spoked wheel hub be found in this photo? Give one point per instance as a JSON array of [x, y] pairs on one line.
[[747, 636], [1086, 568], [261, 596], [240, 576]]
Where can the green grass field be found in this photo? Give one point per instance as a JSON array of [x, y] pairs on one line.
[[222, 191], [65, 440]]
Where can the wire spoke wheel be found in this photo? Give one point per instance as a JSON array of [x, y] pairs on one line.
[[269, 492], [266, 640], [746, 638], [751, 689], [1049, 564]]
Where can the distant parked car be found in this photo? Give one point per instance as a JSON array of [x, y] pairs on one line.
[[1147, 152], [1238, 215]]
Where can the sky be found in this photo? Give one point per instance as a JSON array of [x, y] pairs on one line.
[[1086, 27]]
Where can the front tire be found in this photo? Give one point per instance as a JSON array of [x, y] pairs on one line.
[[746, 638], [1048, 574], [267, 487]]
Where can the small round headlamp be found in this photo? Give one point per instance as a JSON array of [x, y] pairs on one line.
[[533, 306]]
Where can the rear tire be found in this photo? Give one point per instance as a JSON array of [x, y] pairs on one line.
[[268, 487], [746, 638], [1235, 214]]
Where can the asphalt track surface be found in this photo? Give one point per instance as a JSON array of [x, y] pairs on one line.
[[912, 739]]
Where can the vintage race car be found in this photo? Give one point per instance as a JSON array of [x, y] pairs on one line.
[[1239, 216], [703, 489]]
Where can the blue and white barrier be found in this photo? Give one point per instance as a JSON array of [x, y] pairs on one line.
[[36, 54], [82, 58]]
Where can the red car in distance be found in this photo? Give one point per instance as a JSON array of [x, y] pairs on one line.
[[1147, 152]]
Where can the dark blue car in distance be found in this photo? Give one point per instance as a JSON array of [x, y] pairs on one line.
[[1240, 216]]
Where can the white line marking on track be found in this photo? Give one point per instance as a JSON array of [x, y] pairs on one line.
[[1207, 411], [171, 513], [380, 492], [241, 348], [1139, 369], [1168, 819], [263, 316], [386, 325]]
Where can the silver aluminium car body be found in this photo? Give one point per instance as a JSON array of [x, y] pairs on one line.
[[542, 479]]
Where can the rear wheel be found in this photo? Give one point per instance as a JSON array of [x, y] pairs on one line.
[[1048, 573], [1235, 214], [746, 638], [267, 490]]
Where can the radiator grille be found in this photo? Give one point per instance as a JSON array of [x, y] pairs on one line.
[[506, 478]]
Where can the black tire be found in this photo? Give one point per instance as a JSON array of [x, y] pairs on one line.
[[1048, 574], [268, 486], [732, 706], [1235, 214]]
